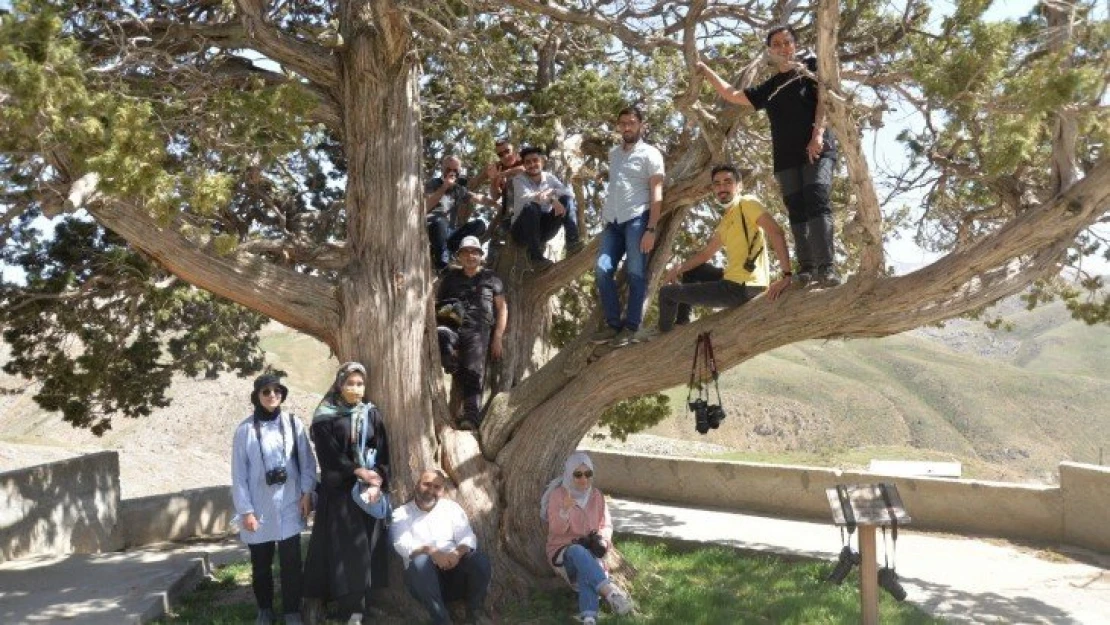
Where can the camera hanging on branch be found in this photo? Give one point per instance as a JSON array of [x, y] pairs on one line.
[[707, 416]]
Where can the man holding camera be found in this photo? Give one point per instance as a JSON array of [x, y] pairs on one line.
[[448, 204], [442, 562], [743, 232], [470, 301]]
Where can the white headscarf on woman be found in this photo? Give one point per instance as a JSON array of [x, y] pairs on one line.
[[581, 495]]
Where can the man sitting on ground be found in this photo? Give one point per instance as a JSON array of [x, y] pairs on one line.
[[541, 205], [440, 552], [742, 233]]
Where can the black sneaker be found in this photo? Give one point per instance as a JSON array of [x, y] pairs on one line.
[[827, 276]]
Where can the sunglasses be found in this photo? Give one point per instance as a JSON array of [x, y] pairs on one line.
[[271, 390], [581, 474]]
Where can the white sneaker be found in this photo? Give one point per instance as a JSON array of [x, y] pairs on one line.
[[620, 601], [586, 619]]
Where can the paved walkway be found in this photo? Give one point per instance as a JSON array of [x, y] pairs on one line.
[[958, 579]]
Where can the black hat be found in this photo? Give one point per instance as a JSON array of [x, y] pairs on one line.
[[268, 379]]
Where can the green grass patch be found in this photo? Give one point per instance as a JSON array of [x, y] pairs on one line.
[[682, 582], [225, 599]]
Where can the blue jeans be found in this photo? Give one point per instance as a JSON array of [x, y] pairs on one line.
[[584, 570], [622, 241], [432, 587]]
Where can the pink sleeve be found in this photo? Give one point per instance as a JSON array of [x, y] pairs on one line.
[[558, 521], [605, 529]]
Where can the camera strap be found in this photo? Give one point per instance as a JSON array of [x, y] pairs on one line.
[[262, 450], [846, 508], [747, 239], [703, 369], [893, 525], [367, 458]]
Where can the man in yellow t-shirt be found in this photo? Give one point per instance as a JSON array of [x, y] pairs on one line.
[[744, 232]]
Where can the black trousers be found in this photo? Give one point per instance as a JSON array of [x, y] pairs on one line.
[[717, 294], [432, 587], [704, 272], [262, 573], [533, 228], [463, 352]]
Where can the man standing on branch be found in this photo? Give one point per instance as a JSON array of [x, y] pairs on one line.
[[804, 151], [470, 301], [440, 552], [743, 232], [633, 201], [447, 205]]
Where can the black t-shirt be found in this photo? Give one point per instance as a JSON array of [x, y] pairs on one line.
[[475, 292], [791, 102], [449, 204]]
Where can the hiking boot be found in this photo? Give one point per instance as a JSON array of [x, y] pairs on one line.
[[804, 277], [624, 337], [604, 335], [827, 276], [619, 601], [645, 334], [574, 248]]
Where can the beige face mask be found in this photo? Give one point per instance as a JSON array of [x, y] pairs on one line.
[[352, 395]]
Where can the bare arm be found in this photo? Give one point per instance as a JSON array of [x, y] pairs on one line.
[[499, 329], [725, 90], [777, 239], [817, 139], [702, 256], [655, 207]]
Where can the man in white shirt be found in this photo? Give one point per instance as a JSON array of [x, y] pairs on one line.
[[633, 203], [541, 205], [442, 563]]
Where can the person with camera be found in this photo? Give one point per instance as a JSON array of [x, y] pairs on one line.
[[440, 552], [273, 474], [579, 534], [448, 204], [743, 232], [471, 317], [804, 151], [542, 205], [348, 551]]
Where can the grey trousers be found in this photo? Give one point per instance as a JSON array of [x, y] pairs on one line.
[[716, 294]]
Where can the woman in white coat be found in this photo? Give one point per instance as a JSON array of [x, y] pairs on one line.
[[273, 474]]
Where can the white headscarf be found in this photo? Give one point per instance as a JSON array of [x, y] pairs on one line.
[[581, 496]]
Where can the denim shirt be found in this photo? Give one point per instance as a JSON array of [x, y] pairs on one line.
[[275, 506]]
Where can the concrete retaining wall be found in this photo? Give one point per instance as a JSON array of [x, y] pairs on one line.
[[1086, 494], [63, 507], [176, 516], [1073, 513]]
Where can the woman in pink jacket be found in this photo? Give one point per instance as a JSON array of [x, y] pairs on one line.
[[579, 533]]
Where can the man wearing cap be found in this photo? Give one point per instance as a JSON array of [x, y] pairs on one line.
[[541, 205], [470, 301], [440, 552], [448, 204], [273, 474]]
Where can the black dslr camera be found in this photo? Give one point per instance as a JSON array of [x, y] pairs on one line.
[[844, 564], [888, 579], [706, 416], [276, 476], [594, 544]]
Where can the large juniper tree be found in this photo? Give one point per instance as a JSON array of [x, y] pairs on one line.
[[217, 163]]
